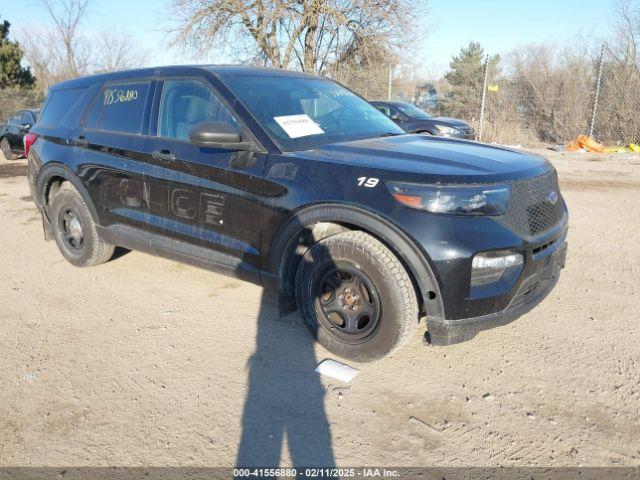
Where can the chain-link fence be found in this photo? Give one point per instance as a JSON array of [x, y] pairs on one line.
[[373, 83], [527, 100], [537, 101], [617, 101]]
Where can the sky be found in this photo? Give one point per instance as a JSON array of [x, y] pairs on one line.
[[503, 25], [499, 25]]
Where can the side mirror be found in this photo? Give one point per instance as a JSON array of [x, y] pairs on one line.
[[26, 126], [218, 135], [395, 117]]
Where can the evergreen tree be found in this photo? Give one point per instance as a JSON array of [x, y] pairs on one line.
[[12, 73], [465, 78]]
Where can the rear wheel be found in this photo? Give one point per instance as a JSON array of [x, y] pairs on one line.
[[356, 296], [75, 231], [5, 146]]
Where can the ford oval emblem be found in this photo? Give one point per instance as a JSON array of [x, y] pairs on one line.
[[552, 198]]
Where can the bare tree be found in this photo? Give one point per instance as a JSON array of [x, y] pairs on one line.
[[45, 55], [548, 92], [312, 34], [64, 50], [117, 51], [61, 51], [627, 31], [67, 16], [616, 117]]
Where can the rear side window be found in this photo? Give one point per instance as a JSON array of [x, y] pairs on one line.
[[119, 108], [59, 103]]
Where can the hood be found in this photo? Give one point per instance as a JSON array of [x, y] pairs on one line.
[[445, 159], [455, 122]]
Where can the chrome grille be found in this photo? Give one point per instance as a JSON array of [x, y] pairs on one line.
[[530, 210]]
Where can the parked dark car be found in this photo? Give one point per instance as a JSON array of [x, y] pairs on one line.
[[415, 120], [13, 132], [296, 183]]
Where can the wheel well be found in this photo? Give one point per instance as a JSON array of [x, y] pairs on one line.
[[306, 236], [49, 181], [297, 245], [51, 187]]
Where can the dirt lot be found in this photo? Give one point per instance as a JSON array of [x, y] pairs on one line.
[[144, 361]]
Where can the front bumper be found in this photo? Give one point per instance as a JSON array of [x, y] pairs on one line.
[[531, 292]]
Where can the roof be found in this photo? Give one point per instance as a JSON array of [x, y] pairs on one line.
[[218, 70], [245, 70]]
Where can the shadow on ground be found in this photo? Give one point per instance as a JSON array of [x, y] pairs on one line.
[[285, 401]]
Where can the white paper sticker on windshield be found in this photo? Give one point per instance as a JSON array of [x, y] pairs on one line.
[[298, 125]]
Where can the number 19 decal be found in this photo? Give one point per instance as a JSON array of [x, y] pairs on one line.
[[367, 182]]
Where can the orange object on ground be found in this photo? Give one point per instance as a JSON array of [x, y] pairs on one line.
[[587, 143]]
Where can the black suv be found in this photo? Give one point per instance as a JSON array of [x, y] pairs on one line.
[[415, 120], [293, 181], [13, 132]]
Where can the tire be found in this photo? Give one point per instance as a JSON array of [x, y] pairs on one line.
[[366, 325], [75, 231], [5, 146]]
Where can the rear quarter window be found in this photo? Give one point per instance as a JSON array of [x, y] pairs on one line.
[[59, 103], [119, 108]]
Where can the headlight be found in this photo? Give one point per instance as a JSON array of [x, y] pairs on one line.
[[453, 200], [448, 130]]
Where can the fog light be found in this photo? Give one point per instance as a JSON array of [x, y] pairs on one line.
[[489, 267]]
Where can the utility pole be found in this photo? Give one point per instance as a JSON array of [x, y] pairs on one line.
[[484, 96], [597, 94]]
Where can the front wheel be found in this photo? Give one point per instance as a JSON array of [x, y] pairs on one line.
[[356, 297]]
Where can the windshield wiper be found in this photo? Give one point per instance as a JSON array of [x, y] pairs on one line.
[[377, 135]]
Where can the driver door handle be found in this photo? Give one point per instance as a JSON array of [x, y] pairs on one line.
[[164, 155], [80, 141]]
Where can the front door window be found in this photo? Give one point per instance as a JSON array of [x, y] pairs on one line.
[[185, 103]]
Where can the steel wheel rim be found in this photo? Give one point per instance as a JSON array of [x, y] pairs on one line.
[[347, 303], [71, 229]]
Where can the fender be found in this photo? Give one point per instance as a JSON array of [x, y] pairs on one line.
[[57, 170], [282, 262]]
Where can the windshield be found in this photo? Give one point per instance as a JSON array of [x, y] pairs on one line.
[[307, 113], [413, 111]]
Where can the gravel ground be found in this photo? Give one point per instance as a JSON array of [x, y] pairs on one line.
[[144, 361]]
